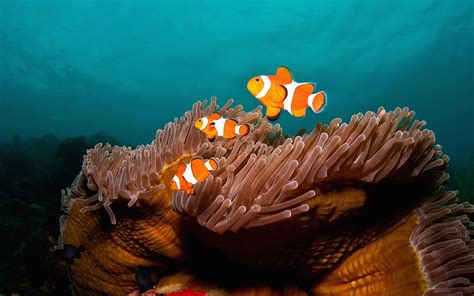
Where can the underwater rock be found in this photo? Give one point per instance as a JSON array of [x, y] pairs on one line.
[[325, 213]]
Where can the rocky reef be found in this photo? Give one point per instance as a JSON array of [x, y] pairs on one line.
[[354, 208]]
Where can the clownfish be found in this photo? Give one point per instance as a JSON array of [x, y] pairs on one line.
[[197, 170], [215, 125], [280, 91]]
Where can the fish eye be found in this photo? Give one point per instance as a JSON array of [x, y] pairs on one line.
[[172, 182], [257, 79]]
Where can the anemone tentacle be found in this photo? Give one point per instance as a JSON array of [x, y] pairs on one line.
[[133, 174], [268, 183], [442, 238]]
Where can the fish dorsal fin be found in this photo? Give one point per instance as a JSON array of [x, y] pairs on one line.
[[284, 75], [214, 116], [307, 88], [197, 157], [181, 169], [233, 120], [197, 160]]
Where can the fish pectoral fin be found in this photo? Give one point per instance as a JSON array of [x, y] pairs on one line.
[[273, 113], [190, 191], [211, 129], [284, 75], [278, 93], [211, 138]]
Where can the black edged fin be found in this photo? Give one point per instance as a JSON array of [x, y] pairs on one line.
[[236, 122], [279, 93], [273, 118], [248, 129], [216, 162], [284, 74]]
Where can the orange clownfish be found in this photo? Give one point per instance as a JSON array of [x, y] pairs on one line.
[[215, 125], [280, 91], [197, 170]]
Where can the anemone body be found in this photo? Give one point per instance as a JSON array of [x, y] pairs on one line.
[[348, 209]]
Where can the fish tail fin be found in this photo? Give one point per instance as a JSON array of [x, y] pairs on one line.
[[317, 101], [243, 129], [211, 164]]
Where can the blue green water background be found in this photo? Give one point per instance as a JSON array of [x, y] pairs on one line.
[[128, 67]]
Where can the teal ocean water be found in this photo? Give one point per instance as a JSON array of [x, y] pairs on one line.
[[127, 67]]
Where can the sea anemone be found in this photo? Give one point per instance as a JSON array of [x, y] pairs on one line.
[[300, 215], [263, 184]]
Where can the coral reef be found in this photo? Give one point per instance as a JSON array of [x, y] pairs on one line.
[[323, 213]]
